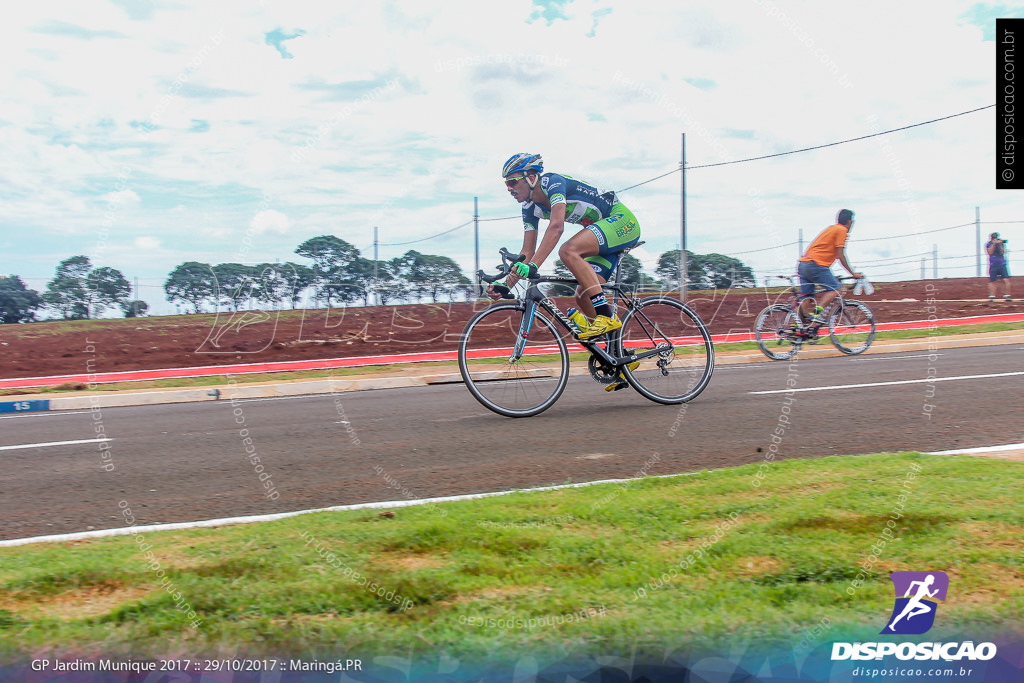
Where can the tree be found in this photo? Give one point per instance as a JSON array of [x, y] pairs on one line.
[[302, 279], [724, 272], [134, 309], [427, 274], [271, 283], [707, 271], [192, 283], [389, 285], [66, 292], [668, 269], [80, 291], [331, 257], [18, 303], [105, 287], [235, 283]]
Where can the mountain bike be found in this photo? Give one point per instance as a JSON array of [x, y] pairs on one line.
[[514, 357], [780, 332]]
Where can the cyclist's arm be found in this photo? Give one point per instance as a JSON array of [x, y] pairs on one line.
[[529, 247], [553, 233], [841, 253]]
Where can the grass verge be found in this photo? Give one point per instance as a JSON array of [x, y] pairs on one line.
[[642, 566]]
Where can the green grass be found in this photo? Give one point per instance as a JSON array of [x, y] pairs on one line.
[[638, 556]]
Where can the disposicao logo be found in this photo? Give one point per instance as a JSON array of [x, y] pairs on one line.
[[917, 596], [917, 599]]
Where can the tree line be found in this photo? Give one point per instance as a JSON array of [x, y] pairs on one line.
[[338, 274]]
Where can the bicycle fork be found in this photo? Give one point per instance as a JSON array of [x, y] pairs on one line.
[[525, 325]]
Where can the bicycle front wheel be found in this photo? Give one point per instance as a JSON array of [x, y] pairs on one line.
[[773, 330], [852, 328], [683, 369], [509, 385]]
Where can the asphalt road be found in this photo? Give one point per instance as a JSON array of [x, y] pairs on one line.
[[186, 462]]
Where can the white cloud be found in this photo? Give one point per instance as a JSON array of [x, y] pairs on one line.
[[270, 221], [147, 243], [121, 198]]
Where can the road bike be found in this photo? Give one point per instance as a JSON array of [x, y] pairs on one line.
[[514, 357], [780, 332]]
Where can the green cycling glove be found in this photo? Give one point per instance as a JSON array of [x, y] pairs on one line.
[[525, 270]]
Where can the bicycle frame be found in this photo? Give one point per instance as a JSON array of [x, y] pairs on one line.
[[534, 297], [795, 297]]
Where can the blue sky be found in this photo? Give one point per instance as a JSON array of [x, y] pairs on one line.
[[145, 134]]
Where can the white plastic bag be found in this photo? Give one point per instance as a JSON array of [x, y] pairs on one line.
[[863, 287]]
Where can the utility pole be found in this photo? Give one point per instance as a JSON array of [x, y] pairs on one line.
[[800, 244], [476, 247], [935, 261], [977, 236], [682, 226], [924, 268], [376, 291]]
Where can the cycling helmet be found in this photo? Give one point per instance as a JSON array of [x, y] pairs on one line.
[[522, 162]]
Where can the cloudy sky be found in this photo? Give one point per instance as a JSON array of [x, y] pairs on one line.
[[148, 133]]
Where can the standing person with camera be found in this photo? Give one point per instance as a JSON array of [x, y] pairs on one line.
[[997, 270]]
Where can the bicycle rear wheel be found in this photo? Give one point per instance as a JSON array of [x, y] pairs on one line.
[[510, 386], [852, 328], [683, 369], [773, 330]]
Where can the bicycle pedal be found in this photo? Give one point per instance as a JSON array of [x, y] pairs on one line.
[[616, 386]]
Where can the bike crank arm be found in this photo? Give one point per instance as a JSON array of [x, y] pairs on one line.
[[614, 361]]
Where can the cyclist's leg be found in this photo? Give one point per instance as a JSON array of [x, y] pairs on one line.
[[831, 286], [807, 286], [573, 254], [812, 274], [606, 236], [604, 268]]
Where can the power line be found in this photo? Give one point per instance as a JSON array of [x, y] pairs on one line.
[[843, 142], [652, 180], [808, 149], [894, 258], [911, 234], [423, 239], [754, 251]]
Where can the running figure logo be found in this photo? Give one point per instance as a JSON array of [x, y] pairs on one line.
[[914, 612]]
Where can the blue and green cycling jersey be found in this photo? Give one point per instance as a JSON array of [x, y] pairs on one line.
[[584, 204], [615, 226]]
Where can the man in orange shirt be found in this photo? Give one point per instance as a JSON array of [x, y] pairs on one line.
[[815, 266]]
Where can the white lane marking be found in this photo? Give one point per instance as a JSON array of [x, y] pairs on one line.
[[52, 443], [124, 531], [880, 358], [981, 449], [45, 413], [889, 384]]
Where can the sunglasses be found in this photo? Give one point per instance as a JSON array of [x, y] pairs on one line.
[[511, 182]]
